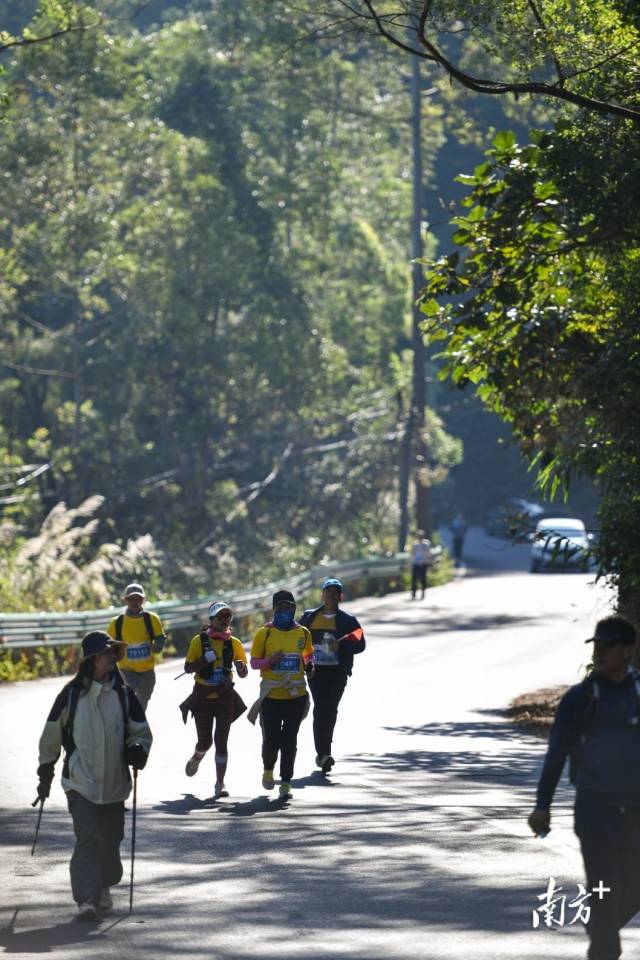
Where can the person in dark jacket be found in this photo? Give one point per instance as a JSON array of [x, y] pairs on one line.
[[597, 725], [102, 727], [336, 636]]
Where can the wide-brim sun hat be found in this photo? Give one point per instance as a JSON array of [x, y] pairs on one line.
[[97, 642]]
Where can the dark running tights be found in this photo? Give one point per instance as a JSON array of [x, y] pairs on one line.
[[280, 721]]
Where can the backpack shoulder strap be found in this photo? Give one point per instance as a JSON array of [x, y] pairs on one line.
[[72, 703], [118, 627], [68, 743], [227, 654], [592, 693], [146, 616]]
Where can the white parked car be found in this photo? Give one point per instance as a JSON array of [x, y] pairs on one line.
[[561, 543]]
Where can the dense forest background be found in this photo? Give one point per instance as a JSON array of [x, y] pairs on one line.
[[205, 292]]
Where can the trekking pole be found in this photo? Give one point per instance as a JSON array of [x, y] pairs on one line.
[[133, 836], [35, 839], [180, 675]]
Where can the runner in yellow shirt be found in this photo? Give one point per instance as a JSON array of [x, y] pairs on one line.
[[283, 653], [212, 654], [144, 637]]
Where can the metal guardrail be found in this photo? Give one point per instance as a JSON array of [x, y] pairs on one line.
[[18, 630]]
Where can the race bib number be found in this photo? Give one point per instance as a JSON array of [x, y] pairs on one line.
[[290, 663], [217, 677], [324, 656], [140, 651]]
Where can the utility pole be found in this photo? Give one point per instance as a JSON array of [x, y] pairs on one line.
[[414, 450]]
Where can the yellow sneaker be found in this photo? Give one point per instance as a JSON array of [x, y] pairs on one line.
[[285, 790], [267, 780]]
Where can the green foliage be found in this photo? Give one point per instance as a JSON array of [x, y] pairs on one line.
[[37, 662], [583, 52], [206, 298], [541, 313]]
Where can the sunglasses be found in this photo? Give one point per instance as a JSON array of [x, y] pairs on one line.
[[223, 616]]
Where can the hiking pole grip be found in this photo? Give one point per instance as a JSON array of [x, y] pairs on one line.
[[133, 836]]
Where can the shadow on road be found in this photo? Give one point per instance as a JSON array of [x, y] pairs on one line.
[[446, 622], [183, 805], [511, 763], [47, 939], [249, 808]]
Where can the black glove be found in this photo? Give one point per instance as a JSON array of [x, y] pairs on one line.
[[309, 669], [136, 756], [158, 644], [45, 776]]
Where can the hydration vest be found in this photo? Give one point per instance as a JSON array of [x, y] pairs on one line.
[[227, 656]]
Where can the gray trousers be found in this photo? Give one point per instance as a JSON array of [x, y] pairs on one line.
[[95, 863], [142, 684]]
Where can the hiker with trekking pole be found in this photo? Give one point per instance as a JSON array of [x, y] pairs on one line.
[[101, 726]]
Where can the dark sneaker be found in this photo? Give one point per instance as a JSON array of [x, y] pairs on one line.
[[325, 762], [192, 765]]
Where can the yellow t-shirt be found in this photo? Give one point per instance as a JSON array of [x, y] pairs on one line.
[[195, 652], [296, 646], [139, 656]]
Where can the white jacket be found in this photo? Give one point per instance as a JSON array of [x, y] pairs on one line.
[[96, 767]]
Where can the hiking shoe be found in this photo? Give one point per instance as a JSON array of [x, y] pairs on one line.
[[325, 762], [285, 791], [192, 764], [268, 782], [220, 791], [106, 900], [87, 911]]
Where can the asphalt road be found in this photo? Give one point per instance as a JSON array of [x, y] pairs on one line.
[[416, 847]]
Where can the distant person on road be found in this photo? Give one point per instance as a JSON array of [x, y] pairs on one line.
[[336, 637], [102, 728], [597, 725], [144, 637], [420, 559], [212, 655], [459, 532], [283, 653]]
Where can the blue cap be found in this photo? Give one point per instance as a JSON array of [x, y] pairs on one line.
[[332, 582]]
